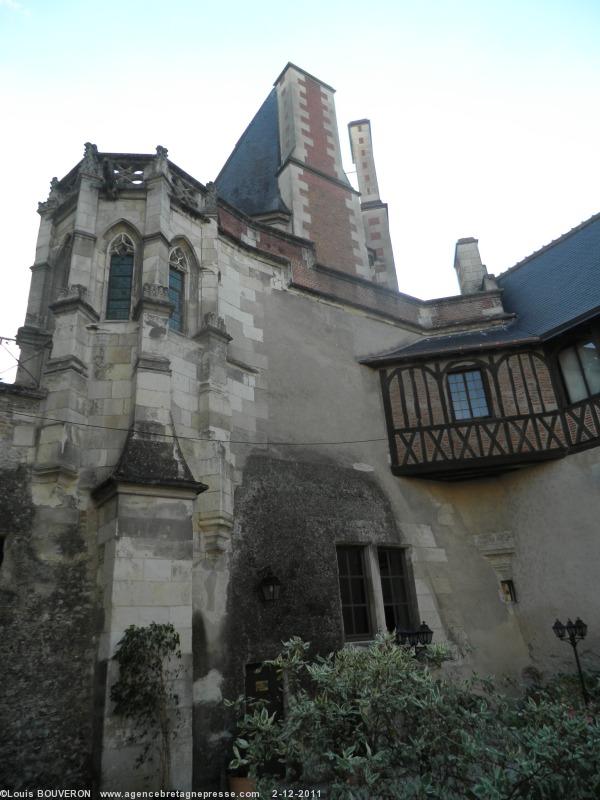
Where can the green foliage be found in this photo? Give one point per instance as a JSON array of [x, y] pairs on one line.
[[144, 694], [377, 723]]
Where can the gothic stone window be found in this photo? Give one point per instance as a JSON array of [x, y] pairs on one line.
[[120, 278], [357, 574], [467, 393], [177, 270], [580, 368]]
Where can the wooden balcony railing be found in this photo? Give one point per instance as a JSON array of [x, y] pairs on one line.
[[479, 446]]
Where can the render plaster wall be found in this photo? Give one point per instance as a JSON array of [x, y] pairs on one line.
[[316, 392]]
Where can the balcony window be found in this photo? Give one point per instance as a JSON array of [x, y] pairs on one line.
[[467, 394], [580, 368]]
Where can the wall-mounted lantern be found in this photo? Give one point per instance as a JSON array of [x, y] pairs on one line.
[[269, 588]]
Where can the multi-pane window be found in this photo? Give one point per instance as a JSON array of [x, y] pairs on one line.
[[580, 367], [120, 278], [467, 394], [176, 297], [361, 605], [396, 604], [177, 269], [353, 590]]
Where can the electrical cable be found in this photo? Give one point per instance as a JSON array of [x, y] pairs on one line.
[[19, 363], [198, 438]]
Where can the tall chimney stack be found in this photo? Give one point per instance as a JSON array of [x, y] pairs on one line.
[[470, 271]]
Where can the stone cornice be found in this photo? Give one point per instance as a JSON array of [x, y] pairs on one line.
[[155, 298], [73, 299]]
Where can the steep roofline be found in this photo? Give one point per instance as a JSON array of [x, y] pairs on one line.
[[246, 129], [553, 243]]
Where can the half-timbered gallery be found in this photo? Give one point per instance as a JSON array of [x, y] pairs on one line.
[[227, 417]]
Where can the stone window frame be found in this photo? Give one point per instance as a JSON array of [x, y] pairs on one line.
[[121, 237], [179, 262], [373, 587]]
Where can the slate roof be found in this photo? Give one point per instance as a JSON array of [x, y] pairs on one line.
[[558, 284], [248, 180], [550, 291], [467, 342]]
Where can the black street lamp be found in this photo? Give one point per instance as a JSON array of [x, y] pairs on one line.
[[418, 637], [575, 632]]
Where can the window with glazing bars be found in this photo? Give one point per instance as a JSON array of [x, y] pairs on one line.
[[353, 590], [360, 604], [396, 603], [467, 394], [119, 286], [580, 367], [176, 297]]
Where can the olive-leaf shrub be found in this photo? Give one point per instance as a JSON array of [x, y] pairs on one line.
[[377, 723], [144, 693]]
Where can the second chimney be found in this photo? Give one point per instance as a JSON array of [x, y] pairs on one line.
[[469, 269]]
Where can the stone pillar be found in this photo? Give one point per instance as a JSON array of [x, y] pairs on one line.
[[66, 372], [33, 338], [213, 523], [469, 269], [146, 544], [153, 369], [84, 234], [157, 232]]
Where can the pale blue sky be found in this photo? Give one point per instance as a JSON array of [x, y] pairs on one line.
[[485, 115]]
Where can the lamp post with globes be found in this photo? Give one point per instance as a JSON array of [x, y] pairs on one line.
[[574, 633]]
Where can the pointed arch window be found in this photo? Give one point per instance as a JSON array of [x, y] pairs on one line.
[[178, 266], [120, 278]]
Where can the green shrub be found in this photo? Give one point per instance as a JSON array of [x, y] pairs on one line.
[[144, 692], [377, 723]]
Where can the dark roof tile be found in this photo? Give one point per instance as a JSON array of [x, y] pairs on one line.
[[248, 180]]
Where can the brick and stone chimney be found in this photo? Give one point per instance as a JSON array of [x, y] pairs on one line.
[[325, 207], [374, 213], [470, 271]]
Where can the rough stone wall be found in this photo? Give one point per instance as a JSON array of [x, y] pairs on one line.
[[49, 614], [290, 515]]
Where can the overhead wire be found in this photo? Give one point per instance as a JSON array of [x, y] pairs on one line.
[[199, 438]]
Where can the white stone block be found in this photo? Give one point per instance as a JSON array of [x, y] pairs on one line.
[[157, 569], [23, 436]]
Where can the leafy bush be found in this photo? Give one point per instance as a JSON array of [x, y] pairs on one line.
[[144, 691], [377, 723]]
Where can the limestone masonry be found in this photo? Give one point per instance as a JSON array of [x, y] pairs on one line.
[[220, 384]]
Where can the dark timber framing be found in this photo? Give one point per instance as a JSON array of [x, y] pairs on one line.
[[529, 419]]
